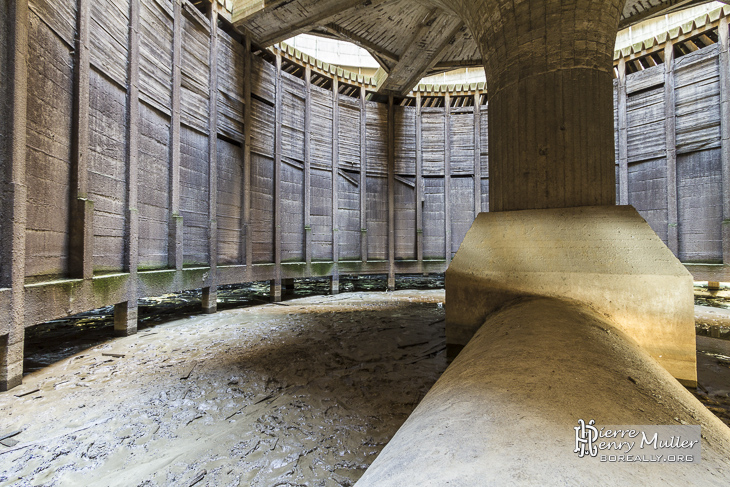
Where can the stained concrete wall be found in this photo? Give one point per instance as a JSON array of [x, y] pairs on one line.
[[301, 182]]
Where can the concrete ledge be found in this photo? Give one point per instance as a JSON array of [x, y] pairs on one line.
[[503, 413], [606, 257]]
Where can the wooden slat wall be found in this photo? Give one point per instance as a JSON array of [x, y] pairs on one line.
[[155, 63], [433, 126], [194, 175], [645, 112], [349, 133], [405, 140], [195, 69], [462, 142], [376, 212], [698, 100], [230, 87]]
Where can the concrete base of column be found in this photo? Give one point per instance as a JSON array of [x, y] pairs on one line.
[[210, 300], [605, 257], [125, 318], [505, 410], [335, 285], [11, 362], [391, 283], [275, 291]]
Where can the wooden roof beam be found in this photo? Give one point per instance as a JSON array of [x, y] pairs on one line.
[[269, 25], [423, 52]]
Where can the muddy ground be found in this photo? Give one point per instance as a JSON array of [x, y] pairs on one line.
[[305, 393]]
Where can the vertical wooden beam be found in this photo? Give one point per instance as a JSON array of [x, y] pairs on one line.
[[335, 283], [363, 176], [13, 99], [308, 167], [671, 149], [210, 292], [247, 131], [477, 153], [447, 175], [725, 134], [276, 283], [420, 199], [125, 313], [623, 140], [391, 194], [81, 231]]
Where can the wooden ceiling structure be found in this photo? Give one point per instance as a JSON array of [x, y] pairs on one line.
[[410, 39]]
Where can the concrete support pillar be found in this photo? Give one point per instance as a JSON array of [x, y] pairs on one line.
[[275, 290], [725, 133], [125, 314], [125, 318], [175, 226], [670, 130], [81, 234], [210, 300], [335, 284], [13, 96], [549, 71]]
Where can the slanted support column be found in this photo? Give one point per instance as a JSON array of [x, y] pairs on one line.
[[81, 234], [126, 313], [725, 131], [550, 116], [13, 97], [335, 282], [175, 229], [210, 293], [670, 119], [391, 194]]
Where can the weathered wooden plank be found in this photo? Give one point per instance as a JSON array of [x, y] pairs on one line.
[[698, 101], [648, 193], [391, 193], [195, 70], [230, 208], [419, 181], [109, 44], [230, 87], [646, 126], [194, 195], [405, 140], [155, 54]]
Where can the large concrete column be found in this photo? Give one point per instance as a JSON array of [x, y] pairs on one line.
[[549, 75], [13, 95]]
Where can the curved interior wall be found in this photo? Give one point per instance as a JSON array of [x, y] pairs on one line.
[[197, 168]]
